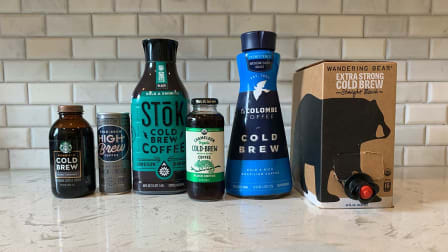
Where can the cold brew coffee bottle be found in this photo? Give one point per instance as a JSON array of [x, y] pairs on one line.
[[258, 161], [158, 111], [205, 151], [72, 154]]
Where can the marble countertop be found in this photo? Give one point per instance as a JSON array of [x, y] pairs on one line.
[[31, 218]]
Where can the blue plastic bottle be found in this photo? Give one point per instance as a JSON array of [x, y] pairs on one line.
[[258, 161]]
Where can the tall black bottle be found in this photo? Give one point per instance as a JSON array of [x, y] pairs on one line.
[[158, 111]]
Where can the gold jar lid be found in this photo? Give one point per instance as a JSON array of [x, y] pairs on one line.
[[70, 109]]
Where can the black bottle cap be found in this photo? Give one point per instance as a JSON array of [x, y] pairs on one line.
[[204, 101], [160, 49], [258, 40]]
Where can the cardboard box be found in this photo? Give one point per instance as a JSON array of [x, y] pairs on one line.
[[343, 129]]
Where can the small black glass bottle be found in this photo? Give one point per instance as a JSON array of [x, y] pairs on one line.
[[205, 150], [72, 154]]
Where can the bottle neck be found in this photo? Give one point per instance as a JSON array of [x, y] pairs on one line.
[[170, 59], [161, 69], [209, 108], [258, 69], [65, 115], [153, 64], [260, 50]]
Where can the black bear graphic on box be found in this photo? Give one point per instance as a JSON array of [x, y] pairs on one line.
[[328, 135]]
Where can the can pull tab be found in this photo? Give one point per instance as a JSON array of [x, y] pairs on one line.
[[360, 186]]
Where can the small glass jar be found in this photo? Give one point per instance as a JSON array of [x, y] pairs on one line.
[[72, 154], [205, 151]]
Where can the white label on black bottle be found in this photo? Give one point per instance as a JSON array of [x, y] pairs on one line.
[[67, 163]]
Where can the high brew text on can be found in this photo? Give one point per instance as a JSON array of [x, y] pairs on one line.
[[114, 152]]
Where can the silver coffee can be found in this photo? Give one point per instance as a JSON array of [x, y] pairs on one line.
[[114, 152]]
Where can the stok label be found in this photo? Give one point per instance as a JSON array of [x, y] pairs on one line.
[[161, 76], [158, 138], [205, 154], [112, 143], [67, 163]]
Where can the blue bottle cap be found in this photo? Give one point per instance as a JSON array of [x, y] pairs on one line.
[[258, 40]]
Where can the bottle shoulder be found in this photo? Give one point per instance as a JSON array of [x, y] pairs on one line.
[[205, 120], [205, 114], [258, 52], [70, 123], [148, 81]]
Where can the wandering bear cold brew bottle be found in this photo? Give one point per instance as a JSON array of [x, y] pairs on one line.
[[258, 162], [158, 111], [72, 154]]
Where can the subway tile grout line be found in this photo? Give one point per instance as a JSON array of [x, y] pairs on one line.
[[428, 14], [91, 26], [25, 42], [318, 25], [182, 20], [2, 69], [408, 25], [431, 2]]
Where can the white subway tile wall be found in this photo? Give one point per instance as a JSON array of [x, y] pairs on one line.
[[10, 6], [48, 48], [160, 25], [12, 48], [94, 48], [69, 25], [89, 52], [385, 26], [50, 93], [39, 137], [137, 5], [2, 115]]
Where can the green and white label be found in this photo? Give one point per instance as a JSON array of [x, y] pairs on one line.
[[158, 133], [161, 76], [205, 154]]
